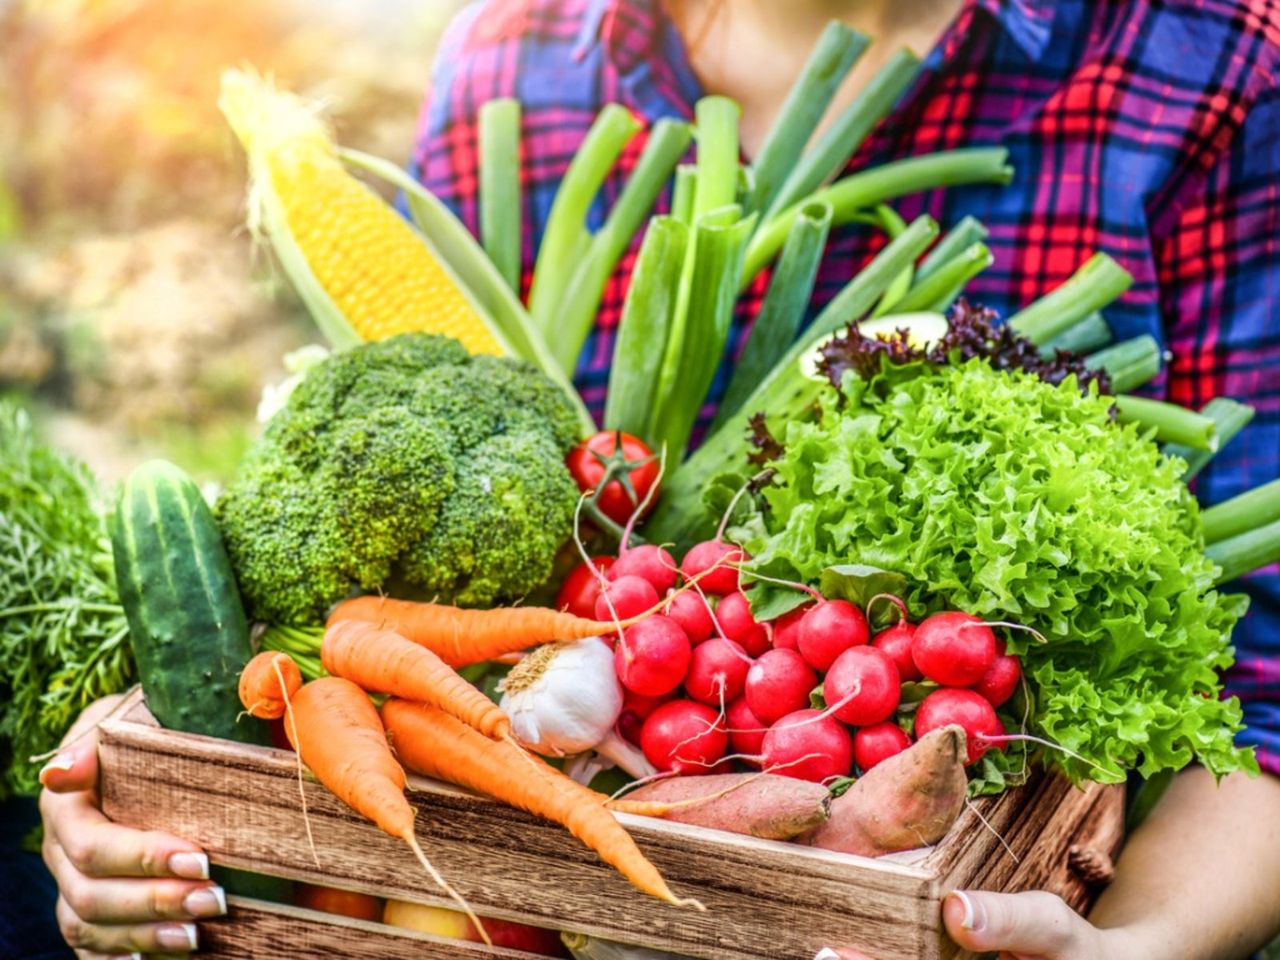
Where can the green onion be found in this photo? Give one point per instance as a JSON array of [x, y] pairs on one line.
[[834, 148], [1231, 417], [1172, 423], [1242, 513], [642, 332], [1099, 281], [682, 193], [864, 189], [939, 290], [784, 306], [717, 176], [500, 203], [952, 244], [667, 142], [807, 100], [892, 225], [565, 239], [1247, 552], [1091, 333], [1128, 364]]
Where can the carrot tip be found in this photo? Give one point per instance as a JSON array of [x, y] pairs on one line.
[[689, 902]]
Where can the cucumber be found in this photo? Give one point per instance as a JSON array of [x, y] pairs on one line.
[[186, 621]]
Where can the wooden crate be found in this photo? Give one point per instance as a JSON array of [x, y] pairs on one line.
[[764, 899]]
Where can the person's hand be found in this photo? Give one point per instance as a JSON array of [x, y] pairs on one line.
[[1020, 926], [122, 892]]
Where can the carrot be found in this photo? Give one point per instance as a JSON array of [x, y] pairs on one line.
[[434, 744], [338, 734], [461, 637], [266, 682], [382, 661]]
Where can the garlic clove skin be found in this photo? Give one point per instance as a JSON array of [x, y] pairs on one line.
[[563, 698]]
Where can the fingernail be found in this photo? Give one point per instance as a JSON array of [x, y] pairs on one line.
[[62, 762], [975, 918], [826, 953], [177, 936], [192, 866], [206, 902]]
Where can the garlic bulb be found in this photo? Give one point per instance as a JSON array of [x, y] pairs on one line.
[[563, 698]]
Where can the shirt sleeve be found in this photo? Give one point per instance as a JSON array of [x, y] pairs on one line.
[[1220, 283]]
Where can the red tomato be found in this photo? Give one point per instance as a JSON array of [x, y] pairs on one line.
[[580, 589], [587, 463], [361, 906]]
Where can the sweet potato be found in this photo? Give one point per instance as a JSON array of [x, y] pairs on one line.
[[758, 805], [909, 800]]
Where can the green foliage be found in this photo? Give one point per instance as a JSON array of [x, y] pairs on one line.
[[1003, 496], [406, 461], [63, 638]]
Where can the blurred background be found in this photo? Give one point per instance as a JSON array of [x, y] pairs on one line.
[[136, 318]]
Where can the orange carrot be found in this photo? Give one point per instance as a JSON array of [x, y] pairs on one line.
[[337, 732], [266, 682], [382, 661], [434, 744], [460, 637]]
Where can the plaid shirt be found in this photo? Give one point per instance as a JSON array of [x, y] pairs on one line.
[[1147, 129]]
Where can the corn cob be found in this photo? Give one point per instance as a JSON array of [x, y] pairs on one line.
[[362, 271]]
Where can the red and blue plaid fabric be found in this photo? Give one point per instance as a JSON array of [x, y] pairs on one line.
[[1147, 129]]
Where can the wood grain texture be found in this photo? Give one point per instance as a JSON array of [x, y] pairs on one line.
[[764, 899]]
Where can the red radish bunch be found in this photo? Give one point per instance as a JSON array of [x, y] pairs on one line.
[[707, 683]]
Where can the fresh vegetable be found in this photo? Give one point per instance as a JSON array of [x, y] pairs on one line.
[[64, 640], [648, 562], [757, 805], [906, 801], [652, 656], [622, 489], [955, 649], [381, 661], [346, 903], [786, 629], [455, 925], [625, 598], [778, 683], [266, 684], [862, 687], [186, 621], [685, 737], [717, 672], [746, 731], [808, 745], [1001, 680], [715, 564], [733, 613], [962, 708], [827, 630], [896, 642], [398, 460], [579, 590], [689, 610], [500, 201], [434, 744], [878, 742]]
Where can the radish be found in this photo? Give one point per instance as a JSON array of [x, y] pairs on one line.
[[717, 672], [808, 746], [635, 711], [953, 648], [724, 557], [828, 630], [630, 596], [862, 686], [786, 629], [896, 642], [746, 732], [691, 612], [581, 588], [652, 657], [778, 683], [878, 742], [1002, 677], [648, 562], [965, 708], [733, 613], [685, 737]]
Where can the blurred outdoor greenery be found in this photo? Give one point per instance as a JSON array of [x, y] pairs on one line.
[[135, 316]]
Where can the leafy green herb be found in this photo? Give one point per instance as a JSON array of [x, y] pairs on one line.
[[63, 638]]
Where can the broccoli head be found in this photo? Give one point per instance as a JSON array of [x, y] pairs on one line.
[[406, 461]]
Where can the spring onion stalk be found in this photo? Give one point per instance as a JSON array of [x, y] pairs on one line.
[[893, 225], [856, 192], [950, 245], [1091, 333], [835, 53], [668, 140], [720, 241], [1129, 364], [1230, 417], [1099, 281], [500, 202], [1172, 423], [717, 173], [1242, 513], [939, 290], [783, 392], [783, 308], [831, 153], [642, 332], [475, 271], [565, 239], [1247, 552], [682, 193]]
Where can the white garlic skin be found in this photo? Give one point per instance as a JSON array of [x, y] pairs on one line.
[[563, 698]]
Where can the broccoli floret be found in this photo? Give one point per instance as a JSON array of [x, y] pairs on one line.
[[406, 459]]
